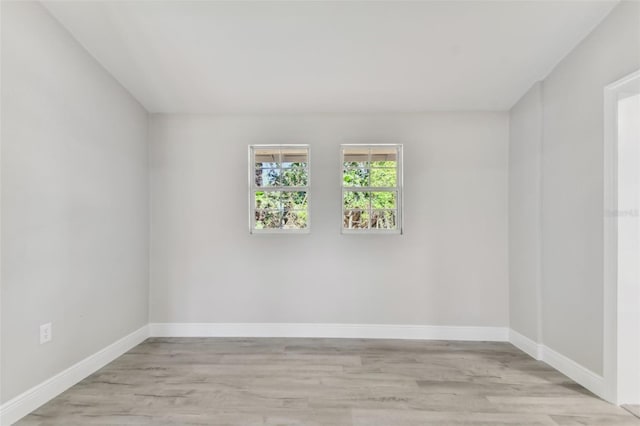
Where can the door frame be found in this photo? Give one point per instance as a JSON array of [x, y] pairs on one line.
[[610, 222]]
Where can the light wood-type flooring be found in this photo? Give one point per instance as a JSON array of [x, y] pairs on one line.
[[238, 381], [633, 409]]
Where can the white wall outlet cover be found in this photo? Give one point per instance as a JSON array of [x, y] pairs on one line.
[[45, 333]]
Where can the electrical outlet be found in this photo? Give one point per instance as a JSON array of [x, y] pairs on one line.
[[45, 333]]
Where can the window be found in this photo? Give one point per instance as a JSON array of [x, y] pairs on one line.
[[279, 182], [371, 188]]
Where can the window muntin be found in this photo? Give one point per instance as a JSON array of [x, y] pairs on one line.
[[371, 188], [279, 188]]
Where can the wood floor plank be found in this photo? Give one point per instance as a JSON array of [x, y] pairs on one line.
[[329, 382], [436, 418], [604, 420]]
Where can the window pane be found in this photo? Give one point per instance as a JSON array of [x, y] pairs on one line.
[[384, 156], [268, 200], [295, 200], [295, 219], [383, 219], [267, 165], [267, 156], [268, 219], [278, 169], [383, 200], [294, 156], [268, 177], [294, 165], [355, 219], [355, 157], [371, 186], [356, 200], [355, 177], [384, 177], [386, 164], [294, 177]]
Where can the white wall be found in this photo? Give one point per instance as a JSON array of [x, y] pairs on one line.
[[571, 194], [525, 150], [74, 201], [449, 268], [572, 186]]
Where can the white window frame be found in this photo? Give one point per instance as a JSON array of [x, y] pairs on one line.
[[398, 189], [253, 188]]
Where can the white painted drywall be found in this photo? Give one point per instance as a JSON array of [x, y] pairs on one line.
[[74, 201], [572, 185], [525, 150], [629, 249], [449, 268]]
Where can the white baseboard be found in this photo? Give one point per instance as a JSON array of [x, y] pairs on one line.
[[525, 344], [18, 407], [356, 331], [576, 372]]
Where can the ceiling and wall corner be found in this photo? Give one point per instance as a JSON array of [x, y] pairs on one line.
[[310, 57]]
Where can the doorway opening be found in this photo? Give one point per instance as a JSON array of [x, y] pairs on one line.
[[622, 242]]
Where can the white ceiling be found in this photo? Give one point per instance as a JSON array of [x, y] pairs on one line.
[[268, 56]]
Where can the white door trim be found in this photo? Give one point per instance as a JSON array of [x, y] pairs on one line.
[[610, 227]]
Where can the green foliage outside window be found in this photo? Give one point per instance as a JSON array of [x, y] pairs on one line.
[[276, 207], [370, 209]]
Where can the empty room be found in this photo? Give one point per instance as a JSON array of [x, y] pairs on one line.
[[320, 213]]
